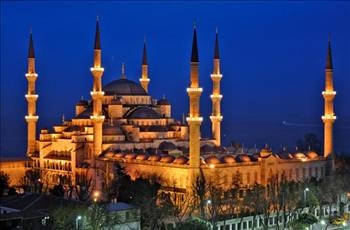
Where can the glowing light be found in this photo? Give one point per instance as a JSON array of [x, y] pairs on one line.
[[323, 222], [31, 117], [31, 75], [329, 93], [216, 75], [78, 217], [303, 159], [329, 117], [31, 95], [97, 117], [216, 118], [96, 194], [97, 93], [216, 96], [194, 89], [194, 119], [100, 69], [211, 166], [307, 189], [208, 201], [144, 79]]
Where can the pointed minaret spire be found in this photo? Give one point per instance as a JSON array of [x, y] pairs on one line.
[[144, 56], [216, 96], [329, 115], [123, 71], [194, 56], [31, 46], [329, 63], [31, 97], [216, 51], [144, 80], [97, 35]]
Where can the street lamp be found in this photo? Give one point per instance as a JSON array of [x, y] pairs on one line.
[[305, 191], [77, 222], [96, 196]]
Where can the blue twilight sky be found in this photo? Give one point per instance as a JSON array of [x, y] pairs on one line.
[[273, 58]]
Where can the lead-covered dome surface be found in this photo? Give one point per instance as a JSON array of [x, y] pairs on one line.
[[143, 112], [124, 87]]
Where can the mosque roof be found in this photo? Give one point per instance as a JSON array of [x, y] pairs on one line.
[[143, 112], [163, 101], [111, 130], [124, 87]]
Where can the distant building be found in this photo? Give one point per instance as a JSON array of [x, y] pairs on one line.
[[123, 123]]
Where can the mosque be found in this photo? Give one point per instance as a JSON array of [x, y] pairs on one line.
[[123, 123]]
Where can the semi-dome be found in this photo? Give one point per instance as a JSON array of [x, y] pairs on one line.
[[181, 160], [83, 103], [143, 112], [124, 87], [212, 160]]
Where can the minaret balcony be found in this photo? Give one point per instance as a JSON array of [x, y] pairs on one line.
[[216, 76], [31, 118], [97, 94], [97, 69], [216, 118], [145, 79], [194, 91], [331, 117], [31, 97], [194, 119], [329, 95], [219, 96], [97, 118], [31, 76]]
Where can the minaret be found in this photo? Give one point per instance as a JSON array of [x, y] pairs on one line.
[[328, 94], [194, 120], [216, 97], [31, 97], [144, 80], [97, 94]]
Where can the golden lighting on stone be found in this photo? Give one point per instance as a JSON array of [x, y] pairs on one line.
[[145, 79], [216, 96], [30, 117], [31, 75], [100, 69], [194, 119], [329, 93], [192, 89], [329, 117], [97, 93]]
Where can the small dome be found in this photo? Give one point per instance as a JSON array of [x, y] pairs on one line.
[[299, 155], [228, 159], [243, 158], [73, 128], [143, 112], [212, 160], [167, 159], [181, 160], [83, 103], [163, 101], [312, 155], [154, 158], [119, 155], [167, 146], [141, 157], [265, 152], [130, 156], [124, 87]]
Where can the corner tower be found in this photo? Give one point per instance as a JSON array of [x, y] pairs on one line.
[[31, 98], [328, 94], [194, 119], [144, 80], [216, 97], [97, 93]]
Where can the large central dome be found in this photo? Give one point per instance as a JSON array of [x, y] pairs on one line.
[[124, 87]]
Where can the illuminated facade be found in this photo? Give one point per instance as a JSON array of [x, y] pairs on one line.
[[123, 123]]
